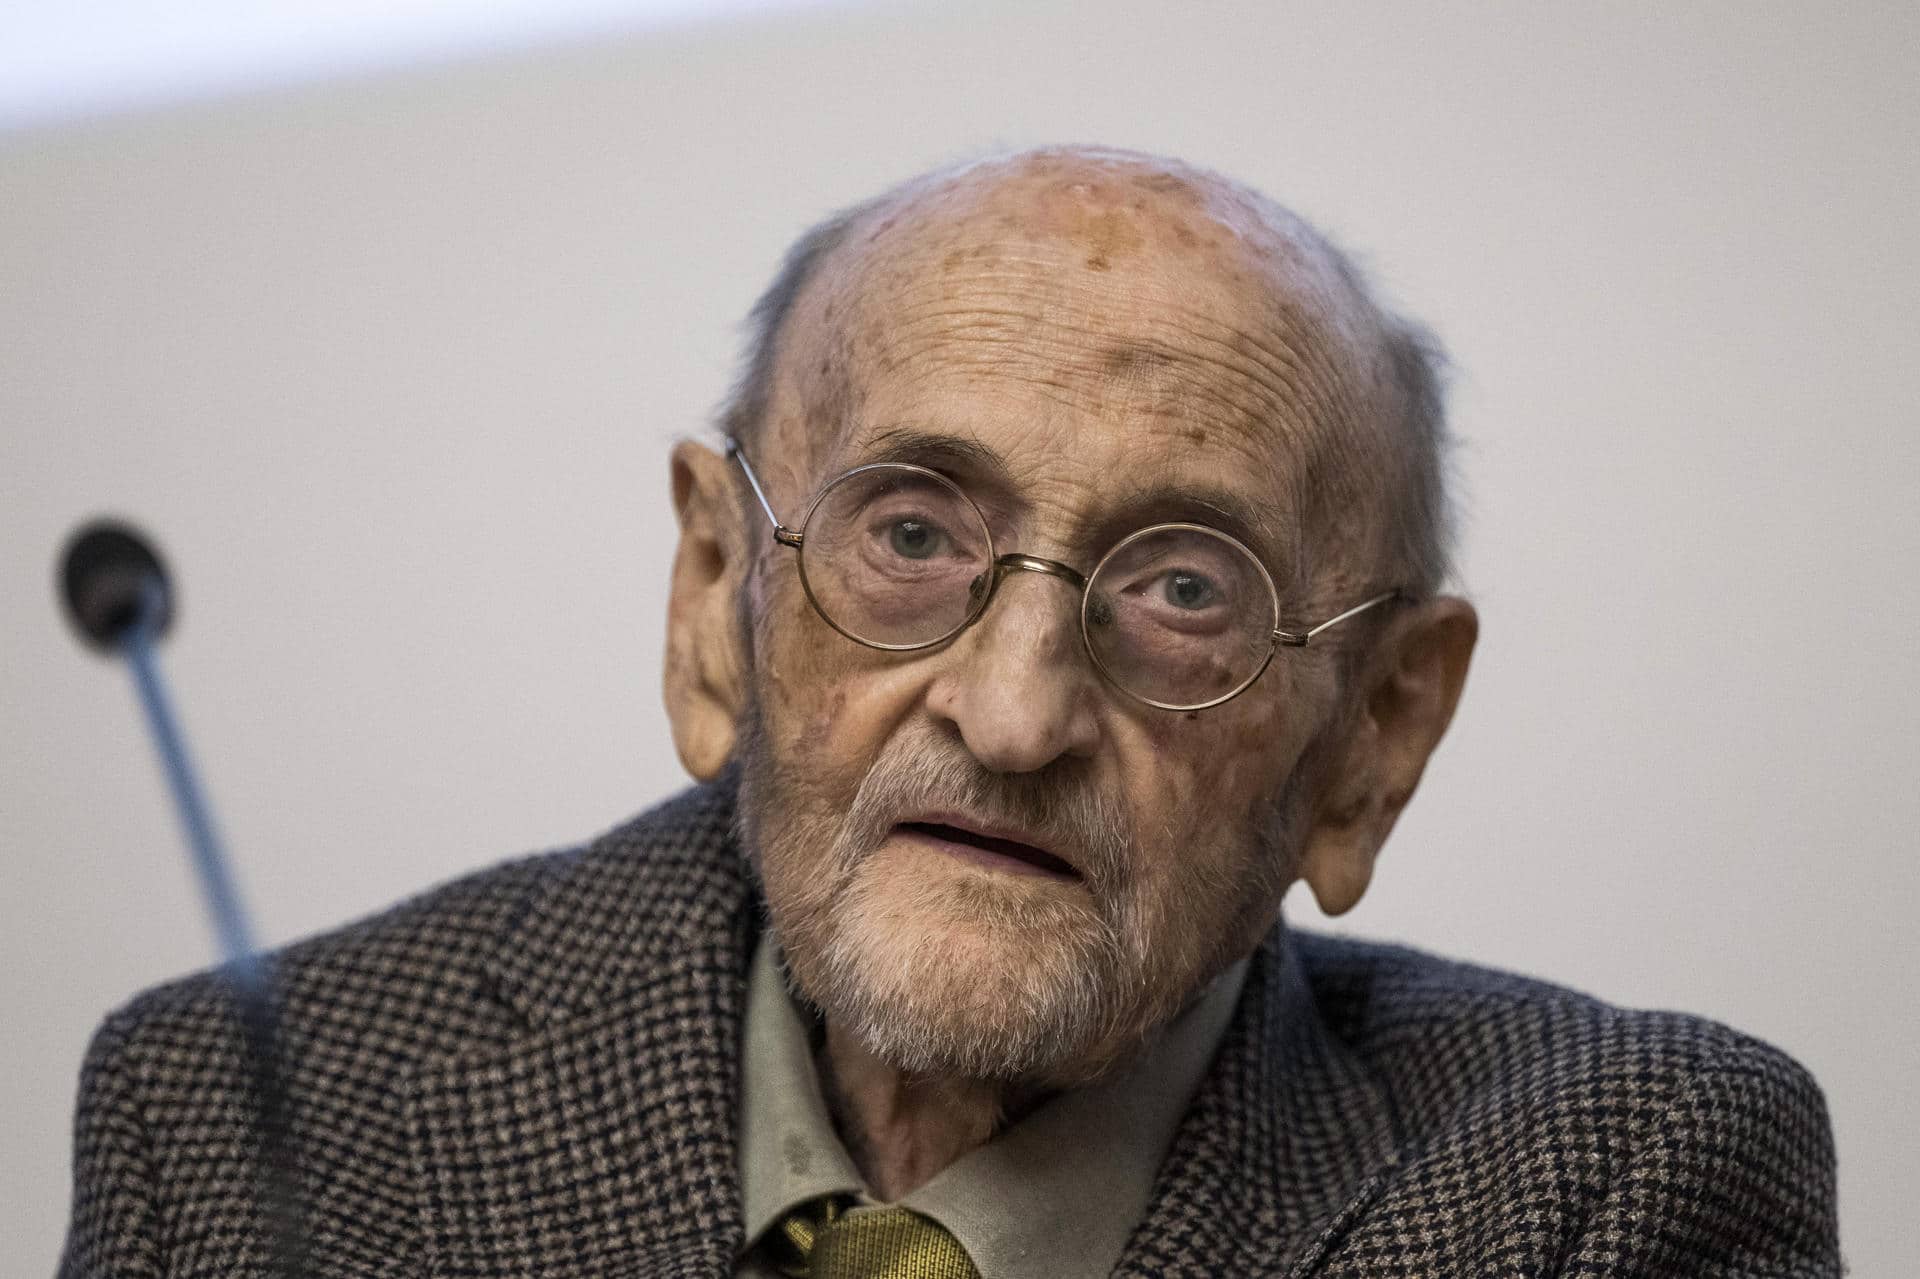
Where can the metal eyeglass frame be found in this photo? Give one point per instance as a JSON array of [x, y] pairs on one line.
[[1003, 564]]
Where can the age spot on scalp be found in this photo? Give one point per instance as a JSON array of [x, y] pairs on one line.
[[1109, 235], [1162, 183]]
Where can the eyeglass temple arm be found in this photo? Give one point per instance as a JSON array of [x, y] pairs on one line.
[[1300, 639], [781, 533]]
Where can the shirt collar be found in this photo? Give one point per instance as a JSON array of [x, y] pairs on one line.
[[789, 1152], [1057, 1193]]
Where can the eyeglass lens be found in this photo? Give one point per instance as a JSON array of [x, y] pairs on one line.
[[894, 556], [1178, 615]]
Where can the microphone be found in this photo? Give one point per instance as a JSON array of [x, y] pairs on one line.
[[105, 578], [119, 598]]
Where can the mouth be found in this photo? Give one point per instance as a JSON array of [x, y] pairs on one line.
[[991, 849]]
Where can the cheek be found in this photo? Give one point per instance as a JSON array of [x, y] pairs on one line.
[[1199, 783], [828, 705]]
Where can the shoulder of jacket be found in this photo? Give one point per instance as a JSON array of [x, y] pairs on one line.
[[1463, 1029], [409, 977], [407, 957]]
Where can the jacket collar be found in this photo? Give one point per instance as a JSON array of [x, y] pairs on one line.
[[607, 1128], [1288, 1141], [608, 916]]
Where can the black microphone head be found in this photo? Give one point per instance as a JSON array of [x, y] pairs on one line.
[[109, 575]]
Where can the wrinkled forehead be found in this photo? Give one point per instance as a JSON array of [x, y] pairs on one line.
[[1083, 317]]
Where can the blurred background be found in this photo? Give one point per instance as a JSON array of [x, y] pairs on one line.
[[383, 316]]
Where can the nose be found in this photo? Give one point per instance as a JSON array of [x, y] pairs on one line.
[[1017, 684]]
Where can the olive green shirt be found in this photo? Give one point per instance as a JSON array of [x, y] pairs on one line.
[[1053, 1197]]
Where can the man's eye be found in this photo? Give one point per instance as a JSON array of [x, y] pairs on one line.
[[913, 539], [1189, 590]]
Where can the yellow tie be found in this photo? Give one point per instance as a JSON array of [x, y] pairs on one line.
[[830, 1239]]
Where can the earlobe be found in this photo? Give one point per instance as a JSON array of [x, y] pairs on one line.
[[704, 684], [1345, 837], [1339, 871]]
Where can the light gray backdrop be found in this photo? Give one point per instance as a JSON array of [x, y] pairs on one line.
[[392, 366]]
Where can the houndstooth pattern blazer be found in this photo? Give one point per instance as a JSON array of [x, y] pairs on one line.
[[534, 1072]]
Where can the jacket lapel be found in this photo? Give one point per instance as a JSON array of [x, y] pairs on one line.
[[1286, 1143], [599, 1140]]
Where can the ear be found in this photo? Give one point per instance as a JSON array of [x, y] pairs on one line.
[[1407, 693], [705, 668]]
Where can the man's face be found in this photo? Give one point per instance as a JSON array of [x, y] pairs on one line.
[[982, 858]]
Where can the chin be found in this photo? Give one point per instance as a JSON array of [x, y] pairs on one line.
[[968, 973]]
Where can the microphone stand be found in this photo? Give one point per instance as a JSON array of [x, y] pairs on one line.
[[131, 627]]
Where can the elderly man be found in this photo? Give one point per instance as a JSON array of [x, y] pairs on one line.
[[1068, 585]]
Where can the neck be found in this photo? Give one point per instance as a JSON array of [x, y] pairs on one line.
[[902, 1129]]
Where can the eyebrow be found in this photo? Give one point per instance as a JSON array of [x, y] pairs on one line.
[[936, 452], [1258, 524]]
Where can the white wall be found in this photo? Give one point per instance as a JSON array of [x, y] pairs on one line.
[[391, 367]]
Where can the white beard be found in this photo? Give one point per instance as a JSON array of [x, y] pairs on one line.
[[949, 971]]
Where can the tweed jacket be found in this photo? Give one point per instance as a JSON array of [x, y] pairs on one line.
[[534, 1072]]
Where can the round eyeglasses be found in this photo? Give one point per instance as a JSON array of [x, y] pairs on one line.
[[1179, 616]]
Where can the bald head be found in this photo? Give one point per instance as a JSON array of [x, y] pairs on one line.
[[1128, 286]]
